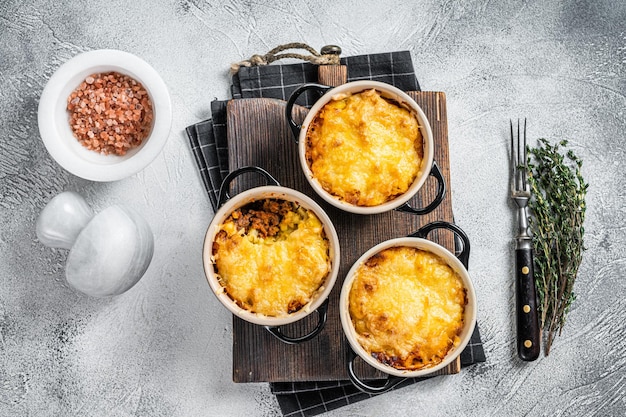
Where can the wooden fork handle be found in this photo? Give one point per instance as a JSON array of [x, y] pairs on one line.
[[528, 333]]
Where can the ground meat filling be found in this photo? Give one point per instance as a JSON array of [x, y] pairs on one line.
[[263, 216]]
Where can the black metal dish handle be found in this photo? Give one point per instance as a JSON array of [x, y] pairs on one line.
[[225, 186], [322, 313], [463, 256], [441, 192], [295, 127], [389, 383], [528, 334]]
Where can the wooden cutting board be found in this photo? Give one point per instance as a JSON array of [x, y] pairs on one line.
[[258, 135]]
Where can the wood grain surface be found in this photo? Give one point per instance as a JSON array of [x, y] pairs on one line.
[[258, 135], [332, 75]]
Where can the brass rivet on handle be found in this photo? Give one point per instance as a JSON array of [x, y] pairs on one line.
[[528, 343], [525, 270], [526, 308]]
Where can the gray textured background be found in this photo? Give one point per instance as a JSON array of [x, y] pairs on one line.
[[164, 347]]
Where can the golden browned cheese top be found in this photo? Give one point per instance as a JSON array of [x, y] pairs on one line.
[[407, 307], [272, 257], [364, 149]]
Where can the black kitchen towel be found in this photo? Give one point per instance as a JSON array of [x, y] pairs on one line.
[[209, 145], [305, 399], [279, 81], [210, 149]]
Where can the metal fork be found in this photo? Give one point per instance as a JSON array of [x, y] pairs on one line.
[[528, 333], [520, 189]]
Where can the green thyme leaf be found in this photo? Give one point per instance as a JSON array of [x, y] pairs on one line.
[[558, 212]]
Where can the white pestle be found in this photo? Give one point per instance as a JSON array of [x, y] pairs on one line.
[[63, 218], [109, 252]]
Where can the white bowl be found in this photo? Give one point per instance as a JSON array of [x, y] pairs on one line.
[[387, 91], [469, 314], [261, 193], [53, 117]]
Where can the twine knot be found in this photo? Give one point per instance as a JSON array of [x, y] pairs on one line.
[[328, 55]]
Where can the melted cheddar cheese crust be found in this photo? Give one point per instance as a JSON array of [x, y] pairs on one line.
[[364, 149], [271, 257], [407, 307]]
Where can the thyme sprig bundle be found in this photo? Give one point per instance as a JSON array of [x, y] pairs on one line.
[[558, 212]]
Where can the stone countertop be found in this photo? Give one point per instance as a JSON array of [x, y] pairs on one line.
[[164, 347]]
